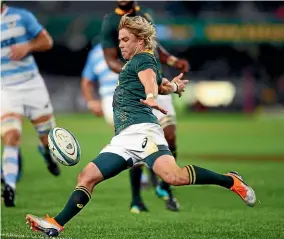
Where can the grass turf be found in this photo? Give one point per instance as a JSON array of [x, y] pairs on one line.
[[252, 146]]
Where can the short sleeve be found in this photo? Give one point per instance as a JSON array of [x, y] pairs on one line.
[[32, 25], [108, 33], [144, 61], [88, 71]]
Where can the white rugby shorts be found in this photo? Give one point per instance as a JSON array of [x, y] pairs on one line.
[[137, 142], [30, 99]]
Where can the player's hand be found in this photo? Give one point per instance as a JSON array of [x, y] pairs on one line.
[[95, 106], [180, 84], [182, 65], [19, 51], [153, 104]]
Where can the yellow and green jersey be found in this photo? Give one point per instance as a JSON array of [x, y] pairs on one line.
[[128, 109]]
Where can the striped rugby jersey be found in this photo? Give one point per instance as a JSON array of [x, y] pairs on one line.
[[17, 26]]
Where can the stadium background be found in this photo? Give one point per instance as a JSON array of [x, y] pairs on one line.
[[230, 46], [231, 117]]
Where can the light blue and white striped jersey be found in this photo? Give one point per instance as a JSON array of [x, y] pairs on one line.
[[96, 69], [17, 26]]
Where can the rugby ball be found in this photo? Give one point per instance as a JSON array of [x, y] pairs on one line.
[[63, 146]]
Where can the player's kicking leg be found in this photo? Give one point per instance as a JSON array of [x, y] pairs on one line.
[[11, 127], [105, 166], [43, 125]]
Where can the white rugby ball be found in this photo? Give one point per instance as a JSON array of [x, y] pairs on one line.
[[63, 146]]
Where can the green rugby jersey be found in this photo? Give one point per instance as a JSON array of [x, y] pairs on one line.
[[127, 108]]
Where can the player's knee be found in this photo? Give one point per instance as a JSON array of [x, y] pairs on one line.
[[11, 128], [90, 176], [12, 137]]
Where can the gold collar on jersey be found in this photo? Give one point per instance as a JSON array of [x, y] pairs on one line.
[[148, 51], [122, 12]]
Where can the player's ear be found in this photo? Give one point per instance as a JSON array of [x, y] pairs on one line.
[[140, 41]]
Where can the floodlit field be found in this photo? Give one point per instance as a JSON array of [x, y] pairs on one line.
[[252, 146]]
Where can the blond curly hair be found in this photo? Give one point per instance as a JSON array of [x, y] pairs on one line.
[[141, 28]]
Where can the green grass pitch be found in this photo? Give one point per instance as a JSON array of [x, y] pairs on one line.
[[252, 146]]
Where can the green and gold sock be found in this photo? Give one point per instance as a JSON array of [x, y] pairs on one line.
[[78, 199], [199, 175]]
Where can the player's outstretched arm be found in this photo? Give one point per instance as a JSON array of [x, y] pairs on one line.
[[177, 86]]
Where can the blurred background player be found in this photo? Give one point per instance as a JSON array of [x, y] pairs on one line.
[[20, 163], [23, 91], [97, 75], [167, 122]]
